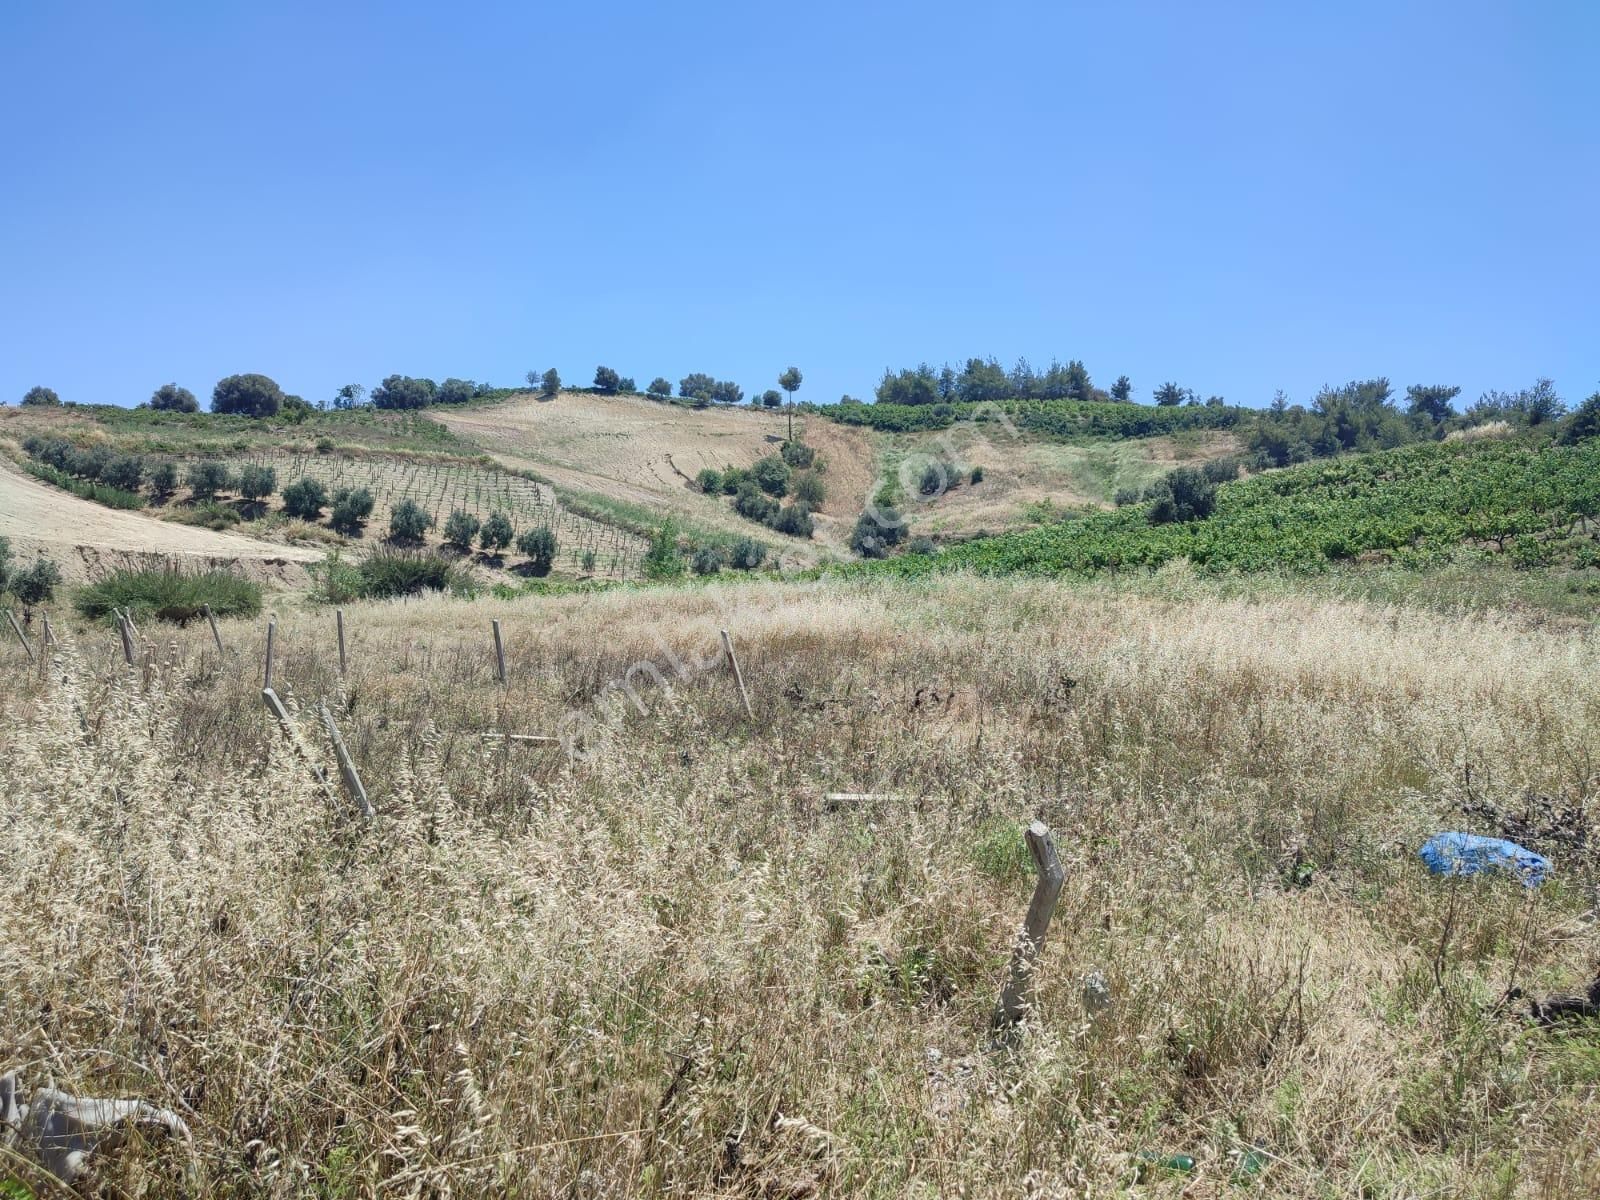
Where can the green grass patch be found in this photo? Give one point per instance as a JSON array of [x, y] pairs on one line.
[[169, 595], [386, 573]]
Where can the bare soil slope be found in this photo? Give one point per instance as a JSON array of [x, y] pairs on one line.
[[645, 453], [87, 539]]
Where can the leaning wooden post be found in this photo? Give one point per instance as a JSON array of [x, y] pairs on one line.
[[275, 707], [272, 633], [499, 652], [21, 637], [127, 638], [738, 675], [49, 634], [1014, 1000], [338, 619], [347, 767], [211, 617]]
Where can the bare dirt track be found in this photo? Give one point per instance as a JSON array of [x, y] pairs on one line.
[[87, 539]]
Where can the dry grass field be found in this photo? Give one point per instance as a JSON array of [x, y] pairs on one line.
[[668, 966]]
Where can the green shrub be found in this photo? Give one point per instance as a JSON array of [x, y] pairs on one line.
[[809, 489], [707, 560], [208, 514], [798, 454], [163, 478], [795, 521], [588, 561], [662, 560], [207, 478], [936, 477], [1184, 495], [747, 554], [977, 475], [709, 481], [408, 521], [325, 445], [351, 508], [257, 483], [733, 478], [771, 475], [386, 573], [496, 533], [877, 532], [336, 581], [126, 471], [540, 546], [169, 595], [460, 528], [753, 503], [35, 585], [304, 498]]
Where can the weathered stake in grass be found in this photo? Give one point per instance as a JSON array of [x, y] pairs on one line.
[[499, 652], [211, 617], [21, 637], [272, 634], [738, 675], [125, 631], [49, 634], [1014, 999], [338, 620], [347, 767], [275, 706]]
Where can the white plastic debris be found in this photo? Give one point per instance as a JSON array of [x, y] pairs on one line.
[[59, 1131]]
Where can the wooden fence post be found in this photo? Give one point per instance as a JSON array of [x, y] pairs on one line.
[[272, 633], [338, 619], [127, 637], [275, 707], [1014, 999], [347, 767], [49, 634], [21, 637], [738, 675], [499, 652], [211, 617]]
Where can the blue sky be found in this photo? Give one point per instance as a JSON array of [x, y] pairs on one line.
[[1238, 197]]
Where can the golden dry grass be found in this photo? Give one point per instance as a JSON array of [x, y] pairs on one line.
[[669, 967]]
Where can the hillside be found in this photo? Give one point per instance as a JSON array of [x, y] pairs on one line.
[[86, 539], [1535, 502], [640, 457]]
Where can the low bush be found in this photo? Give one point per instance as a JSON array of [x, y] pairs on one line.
[[169, 595], [460, 528], [795, 521], [387, 573], [540, 546], [351, 508], [747, 554], [305, 499], [798, 454], [707, 560], [408, 521], [207, 478]]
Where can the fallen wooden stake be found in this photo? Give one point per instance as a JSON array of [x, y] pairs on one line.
[[127, 638], [738, 675], [21, 637], [347, 767], [275, 707], [272, 633], [499, 652], [1015, 999], [211, 617]]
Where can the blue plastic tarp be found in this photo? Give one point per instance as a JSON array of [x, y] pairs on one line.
[[1470, 854]]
